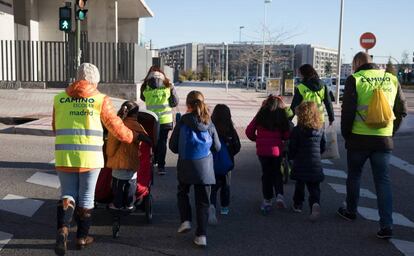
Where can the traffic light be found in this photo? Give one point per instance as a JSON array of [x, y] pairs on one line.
[[80, 10], [65, 19]]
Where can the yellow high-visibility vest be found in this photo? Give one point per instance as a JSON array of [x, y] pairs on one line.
[[366, 82], [79, 131], [314, 96], [156, 101]]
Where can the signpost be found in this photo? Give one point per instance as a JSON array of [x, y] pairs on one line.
[[367, 41], [273, 86]]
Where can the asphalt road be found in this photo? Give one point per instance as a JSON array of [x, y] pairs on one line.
[[243, 232]]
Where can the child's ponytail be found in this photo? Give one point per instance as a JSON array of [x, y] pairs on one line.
[[195, 100], [128, 108]]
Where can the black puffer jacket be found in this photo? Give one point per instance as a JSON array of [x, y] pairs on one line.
[[305, 149]]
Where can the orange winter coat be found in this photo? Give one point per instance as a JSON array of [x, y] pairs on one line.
[[109, 118], [122, 155]]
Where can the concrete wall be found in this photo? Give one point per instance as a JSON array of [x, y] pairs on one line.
[[6, 21], [102, 27], [143, 61], [49, 21], [128, 30], [123, 91]]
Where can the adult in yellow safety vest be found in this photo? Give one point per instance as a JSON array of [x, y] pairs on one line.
[[160, 97], [78, 115], [364, 142], [313, 89]]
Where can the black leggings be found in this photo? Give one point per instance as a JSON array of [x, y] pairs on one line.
[[272, 178]]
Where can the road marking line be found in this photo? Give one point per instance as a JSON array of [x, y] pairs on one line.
[[326, 161], [405, 247], [45, 179], [372, 214], [341, 189], [401, 164], [334, 173], [4, 239], [20, 205]]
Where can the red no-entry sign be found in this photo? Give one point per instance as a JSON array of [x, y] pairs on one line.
[[367, 40]]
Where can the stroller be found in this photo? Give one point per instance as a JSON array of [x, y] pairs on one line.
[[145, 177]]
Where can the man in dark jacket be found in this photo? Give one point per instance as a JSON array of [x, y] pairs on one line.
[[364, 142]]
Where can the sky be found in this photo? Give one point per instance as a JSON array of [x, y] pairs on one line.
[[301, 21]]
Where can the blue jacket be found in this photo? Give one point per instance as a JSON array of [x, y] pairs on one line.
[[305, 149], [200, 171]]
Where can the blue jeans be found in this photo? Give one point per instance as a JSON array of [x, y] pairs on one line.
[[380, 165], [79, 187]]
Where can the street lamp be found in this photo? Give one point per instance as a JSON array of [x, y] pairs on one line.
[[338, 68], [227, 66], [264, 48], [240, 30]]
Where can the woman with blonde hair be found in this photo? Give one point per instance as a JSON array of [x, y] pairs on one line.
[[307, 143]]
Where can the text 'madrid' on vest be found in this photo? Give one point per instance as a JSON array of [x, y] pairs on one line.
[[366, 82], [314, 96], [156, 101], [79, 131]]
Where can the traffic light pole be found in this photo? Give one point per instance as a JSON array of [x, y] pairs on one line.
[[78, 43]]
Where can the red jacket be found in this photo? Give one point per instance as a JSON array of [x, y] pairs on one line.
[[268, 143]]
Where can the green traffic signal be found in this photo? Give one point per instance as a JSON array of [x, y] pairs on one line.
[[65, 19], [81, 14]]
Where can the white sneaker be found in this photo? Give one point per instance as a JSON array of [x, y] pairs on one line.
[[212, 219], [280, 202], [200, 241], [184, 227], [316, 212]]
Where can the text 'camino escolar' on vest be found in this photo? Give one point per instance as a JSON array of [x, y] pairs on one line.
[[79, 103]]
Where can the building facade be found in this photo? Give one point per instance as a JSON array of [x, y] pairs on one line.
[[33, 49], [243, 59], [323, 59]]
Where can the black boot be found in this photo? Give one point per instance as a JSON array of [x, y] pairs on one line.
[[84, 221], [65, 211]]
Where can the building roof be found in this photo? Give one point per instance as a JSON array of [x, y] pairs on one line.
[[130, 9]]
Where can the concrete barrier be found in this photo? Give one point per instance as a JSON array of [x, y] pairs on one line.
[[122, 91], [21, 85]]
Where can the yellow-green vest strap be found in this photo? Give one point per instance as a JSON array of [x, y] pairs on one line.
[[366, 82]]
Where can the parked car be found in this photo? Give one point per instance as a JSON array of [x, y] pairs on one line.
[[331, 84]]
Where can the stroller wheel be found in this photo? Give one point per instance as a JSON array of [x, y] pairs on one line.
[[148, 208], [115, 229]]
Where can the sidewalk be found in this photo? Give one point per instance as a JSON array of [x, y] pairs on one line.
[[32, 103], [243, 103]]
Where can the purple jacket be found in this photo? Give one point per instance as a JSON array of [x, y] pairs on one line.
[[268, 143]]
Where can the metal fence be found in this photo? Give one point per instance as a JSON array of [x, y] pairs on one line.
[[45, 61]]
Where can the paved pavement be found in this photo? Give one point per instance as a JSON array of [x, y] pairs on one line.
[[244, 104], [29, 190]]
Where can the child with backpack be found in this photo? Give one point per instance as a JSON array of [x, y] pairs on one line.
[[193, 138], [269, 128], [223, 160], [307, 143], [123, 159]]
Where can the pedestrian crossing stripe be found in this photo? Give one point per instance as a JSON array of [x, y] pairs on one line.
[[44, 179], [401, 164], [334, 173], [326, 161], [341, 189], [405, 247], [4, 239], [20, 205], [372, 214]]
